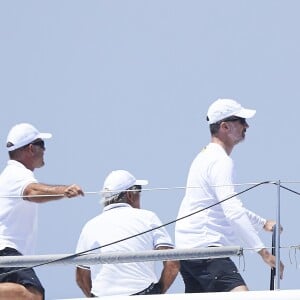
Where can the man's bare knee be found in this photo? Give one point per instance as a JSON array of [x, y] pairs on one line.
[[34, 293], [10, 290], [240, 288]]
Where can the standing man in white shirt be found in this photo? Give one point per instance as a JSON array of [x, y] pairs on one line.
[[122, 218], [20, 194], [223, 224]]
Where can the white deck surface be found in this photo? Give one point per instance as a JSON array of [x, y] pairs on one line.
[[252, 295]]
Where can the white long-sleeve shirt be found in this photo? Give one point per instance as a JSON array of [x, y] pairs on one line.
[[226, 224]]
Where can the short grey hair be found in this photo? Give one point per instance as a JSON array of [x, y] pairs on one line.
[[121, 197]]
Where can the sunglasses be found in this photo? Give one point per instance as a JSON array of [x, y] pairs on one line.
[[235, 119], [39, 143], [137, 188]]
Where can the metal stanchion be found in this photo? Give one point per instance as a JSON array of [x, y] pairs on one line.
[[273, 270]]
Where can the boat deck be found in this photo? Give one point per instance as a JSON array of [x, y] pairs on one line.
[[252, 295]]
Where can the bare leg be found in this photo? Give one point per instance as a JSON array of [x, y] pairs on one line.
[[10, 290], [240, 288]]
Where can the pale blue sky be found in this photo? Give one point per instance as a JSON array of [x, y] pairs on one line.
[[126, 85]]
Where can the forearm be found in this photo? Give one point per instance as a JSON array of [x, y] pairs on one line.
[[168, 274], [39, 192], [245, 231], [240, 222], [83, 280], [270, 259]]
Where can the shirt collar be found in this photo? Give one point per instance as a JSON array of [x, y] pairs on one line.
[[116, 205], [217, 147]]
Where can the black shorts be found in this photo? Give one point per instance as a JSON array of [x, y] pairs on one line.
[[210, 275], [152, 289], [25, 277]]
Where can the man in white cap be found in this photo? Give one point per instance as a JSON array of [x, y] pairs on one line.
[[227, 223], [20, 193], [120, 219]]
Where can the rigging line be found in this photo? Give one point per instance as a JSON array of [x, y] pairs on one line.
[[144, 189], [286, 188], [295, 255], [297, 247], [135, 235], [168, 188], [289, 181], [35, 196], [270, 248], [244, 261]]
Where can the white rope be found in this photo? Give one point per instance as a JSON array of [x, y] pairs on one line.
[[120, 257], [163, 188], [150, 189]]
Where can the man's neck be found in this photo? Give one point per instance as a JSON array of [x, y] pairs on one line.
[[26, 164], [226, 146]]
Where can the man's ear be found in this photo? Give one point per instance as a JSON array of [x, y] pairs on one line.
[[224, 126], [30, 149], [130, 197]]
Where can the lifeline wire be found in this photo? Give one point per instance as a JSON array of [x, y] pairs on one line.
[[144, 190], [286, 188], [168, 188], [138, 234]]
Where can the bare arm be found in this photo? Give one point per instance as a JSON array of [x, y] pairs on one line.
[[169, 272], [33, 190], [271, 260], [83, 279]]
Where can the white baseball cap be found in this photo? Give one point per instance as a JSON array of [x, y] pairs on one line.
[[23, 134], [224, 108], [118, 181]]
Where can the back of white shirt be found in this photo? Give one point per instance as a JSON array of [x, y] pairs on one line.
[[119, 221]]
